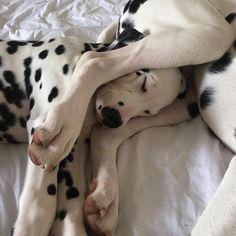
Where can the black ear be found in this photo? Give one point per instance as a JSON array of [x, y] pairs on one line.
[[126, 37], [130, 35]]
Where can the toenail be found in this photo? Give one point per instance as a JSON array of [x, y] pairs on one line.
[[33, 158]]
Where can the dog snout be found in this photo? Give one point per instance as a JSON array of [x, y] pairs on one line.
[[111, 117]]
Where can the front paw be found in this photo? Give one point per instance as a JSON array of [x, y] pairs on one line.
[[101, 208], [53, 140]]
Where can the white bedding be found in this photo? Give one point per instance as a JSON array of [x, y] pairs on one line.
[[167, 175]]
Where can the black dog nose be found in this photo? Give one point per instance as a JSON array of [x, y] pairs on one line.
[[111, 117]]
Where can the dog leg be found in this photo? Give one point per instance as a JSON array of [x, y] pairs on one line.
[[108, 34], [71, 190], [38, 200], [101, 205], [37, 203], [172, 48]]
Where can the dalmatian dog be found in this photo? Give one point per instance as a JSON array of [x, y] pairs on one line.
[[175, 36], [35, 76], [195, 34]]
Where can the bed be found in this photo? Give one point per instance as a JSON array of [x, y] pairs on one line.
[[167, 175]]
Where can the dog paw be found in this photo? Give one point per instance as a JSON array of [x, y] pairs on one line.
[[54, 138], [101, 209]]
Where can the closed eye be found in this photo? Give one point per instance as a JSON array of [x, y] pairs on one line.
[[143, 88], [147, 112]]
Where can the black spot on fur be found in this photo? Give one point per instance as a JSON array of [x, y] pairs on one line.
[[37, 44], [16, 43], [9, 77], [13, 96], [27, 62], [3, 126], [27, 74], [22, 122], [147, 112], [127, 24], [62, 165], [51, 189], [127, 6], [70, 157], [193, 110], [38, 75], [121, 104], [13, 93], [32, 131], [207, 97], [28, 85], [221, 64], [40, 86], [13, 46], [12, 49], [87, 47], [62, 214], [134, 5], [60, 50], [51, 40], [53, 94], [1, 86], [72, 193], [65, 69], [7, 115], [230, 18], [9, 138], [43, 54], [64, 175], [31, 103]]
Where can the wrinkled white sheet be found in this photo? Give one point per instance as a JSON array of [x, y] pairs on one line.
[[167, 175]]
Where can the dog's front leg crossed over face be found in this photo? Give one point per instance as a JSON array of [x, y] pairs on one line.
[[199, 41]]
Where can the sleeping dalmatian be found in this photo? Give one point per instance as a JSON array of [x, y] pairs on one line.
[[35, 76], [201, 96], [202, 34]]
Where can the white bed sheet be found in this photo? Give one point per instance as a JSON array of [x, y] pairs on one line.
[[167, 175]]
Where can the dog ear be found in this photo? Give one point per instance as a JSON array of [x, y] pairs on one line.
[[130, 35], [127, 36]]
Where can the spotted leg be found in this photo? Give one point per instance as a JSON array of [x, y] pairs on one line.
[[168, 49], [71, 190], [38, 200], [101, 205]]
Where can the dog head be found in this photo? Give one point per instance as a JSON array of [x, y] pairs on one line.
[[142, 93]]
